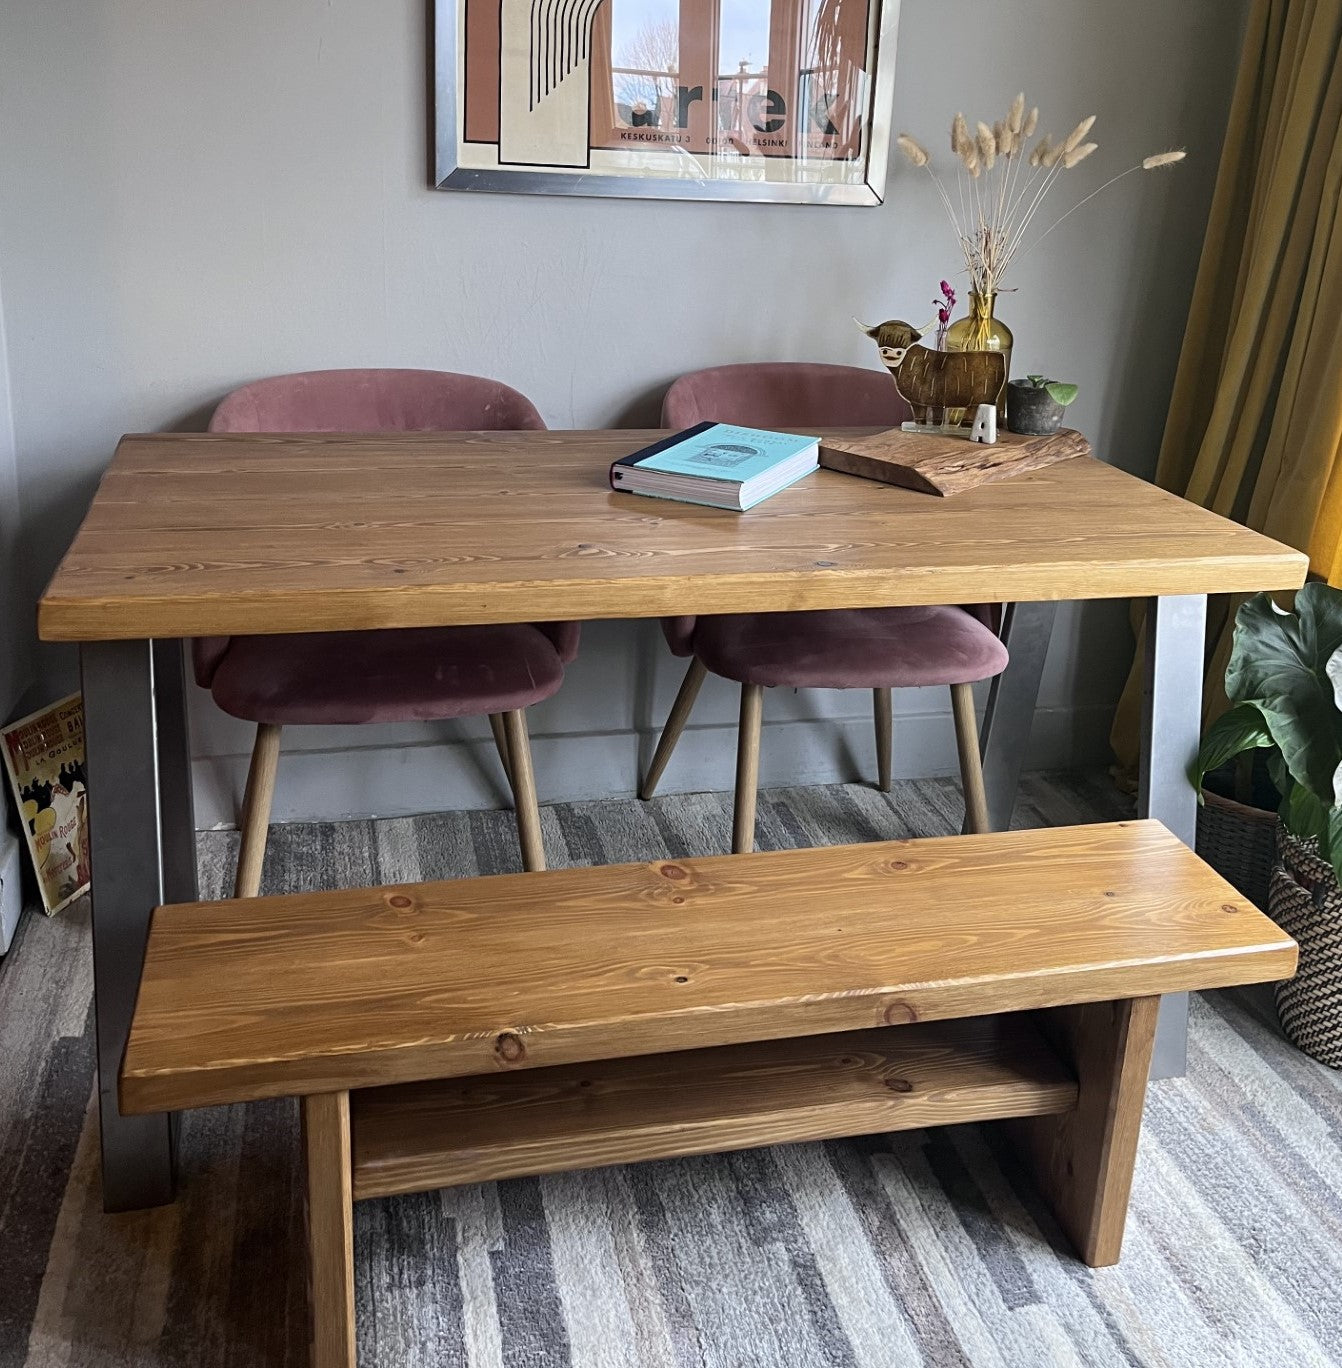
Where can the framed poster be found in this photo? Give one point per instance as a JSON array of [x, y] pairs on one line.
[[44, 754], [785, 100]]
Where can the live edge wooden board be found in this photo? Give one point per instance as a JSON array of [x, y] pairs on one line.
[[197, 534]]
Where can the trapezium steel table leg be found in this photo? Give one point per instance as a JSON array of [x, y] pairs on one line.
[[1176, 628], [122, 760], [177, 811], [1026, 630]]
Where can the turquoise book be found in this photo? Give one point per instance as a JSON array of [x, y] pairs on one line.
[[719, 465]]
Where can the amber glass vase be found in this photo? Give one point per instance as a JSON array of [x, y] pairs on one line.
[[982, 330]]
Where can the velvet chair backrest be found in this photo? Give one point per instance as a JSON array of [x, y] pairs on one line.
[[375, 401], [778, 394]]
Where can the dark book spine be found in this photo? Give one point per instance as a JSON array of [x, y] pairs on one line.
[[664, 445]]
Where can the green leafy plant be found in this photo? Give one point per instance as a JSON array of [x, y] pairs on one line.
[[1059, 391], [1284, 682]]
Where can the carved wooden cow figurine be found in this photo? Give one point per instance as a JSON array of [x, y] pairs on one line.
[[931, 381]]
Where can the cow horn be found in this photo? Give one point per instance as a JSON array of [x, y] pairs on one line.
[[869, 332]]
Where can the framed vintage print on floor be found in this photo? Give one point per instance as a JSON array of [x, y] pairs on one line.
[[784, 100]]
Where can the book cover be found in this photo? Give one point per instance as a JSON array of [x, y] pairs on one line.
[[44, 754], [717, 451]]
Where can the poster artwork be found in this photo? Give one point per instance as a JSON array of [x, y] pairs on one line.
[[44, 755], [753, 92]]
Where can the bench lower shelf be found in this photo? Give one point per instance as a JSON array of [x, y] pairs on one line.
[[415, 1137]]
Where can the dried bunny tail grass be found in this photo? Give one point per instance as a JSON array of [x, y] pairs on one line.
[[971, 160], [1163, 159], [1077, 155], [1041, 150], [960, 139], [1076, 136], [1031, 123], [987, 141], [1016, 118], [914, 151], [1051, 157]]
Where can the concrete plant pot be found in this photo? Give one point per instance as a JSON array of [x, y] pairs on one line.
[[1031, 411]]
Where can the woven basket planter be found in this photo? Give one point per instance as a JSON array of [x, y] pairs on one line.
[[1306, 902], [1240, 844]]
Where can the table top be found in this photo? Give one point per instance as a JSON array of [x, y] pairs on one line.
[[198, 534]]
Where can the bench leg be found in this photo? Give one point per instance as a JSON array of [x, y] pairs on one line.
[[1083, 1159], [330, 1203]]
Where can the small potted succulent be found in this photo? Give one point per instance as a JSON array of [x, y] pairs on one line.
[[1284, 683], [1035, 405]]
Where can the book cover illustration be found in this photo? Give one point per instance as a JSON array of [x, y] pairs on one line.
[[723, 452], [44, 754]]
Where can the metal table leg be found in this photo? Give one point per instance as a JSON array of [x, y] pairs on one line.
[[1176, 629], [177, 809], [121, 737], [1026, 629]]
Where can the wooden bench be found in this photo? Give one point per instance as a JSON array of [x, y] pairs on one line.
[[452, 1032]]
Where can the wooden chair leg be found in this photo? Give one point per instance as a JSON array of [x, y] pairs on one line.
[[256, 804], [330, 1213], [1083, 1159], [675, 724], [747, 768], [524, 790], [883, 710], [501, 743], [971, 764]]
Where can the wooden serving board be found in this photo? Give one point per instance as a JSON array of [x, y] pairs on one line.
[[947, 465]]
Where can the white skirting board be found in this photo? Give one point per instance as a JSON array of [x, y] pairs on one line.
[[11, 890], [463, 772]]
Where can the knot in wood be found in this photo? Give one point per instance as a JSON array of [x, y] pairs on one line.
[[673, 871], [899, 1014], [400, 900], [899, 1085], [509, 1048]]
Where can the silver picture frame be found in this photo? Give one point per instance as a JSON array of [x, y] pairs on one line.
[[452, 170]]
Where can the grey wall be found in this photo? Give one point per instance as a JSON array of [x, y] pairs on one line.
[[196, 194], [15, 619]]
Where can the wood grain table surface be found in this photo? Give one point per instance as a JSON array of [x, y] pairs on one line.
[[198, 534], [284, 996]]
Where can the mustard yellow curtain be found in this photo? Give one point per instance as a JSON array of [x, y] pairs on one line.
[[1255, 425]]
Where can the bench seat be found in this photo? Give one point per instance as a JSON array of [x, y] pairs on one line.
[[322, 992], [455, 1032]]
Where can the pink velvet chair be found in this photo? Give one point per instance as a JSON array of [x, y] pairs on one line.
[[416, 674], [870, 648]]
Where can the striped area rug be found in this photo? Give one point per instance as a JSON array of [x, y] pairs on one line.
[[919, 1248]]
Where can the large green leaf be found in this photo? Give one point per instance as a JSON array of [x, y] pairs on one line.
[[1281, 661], [1241, 729], [1306, 815]]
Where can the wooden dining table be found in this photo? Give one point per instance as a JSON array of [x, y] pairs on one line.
[[200, 535]]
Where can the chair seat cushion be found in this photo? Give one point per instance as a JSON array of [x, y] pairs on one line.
[[406, 675], [850, 648]]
